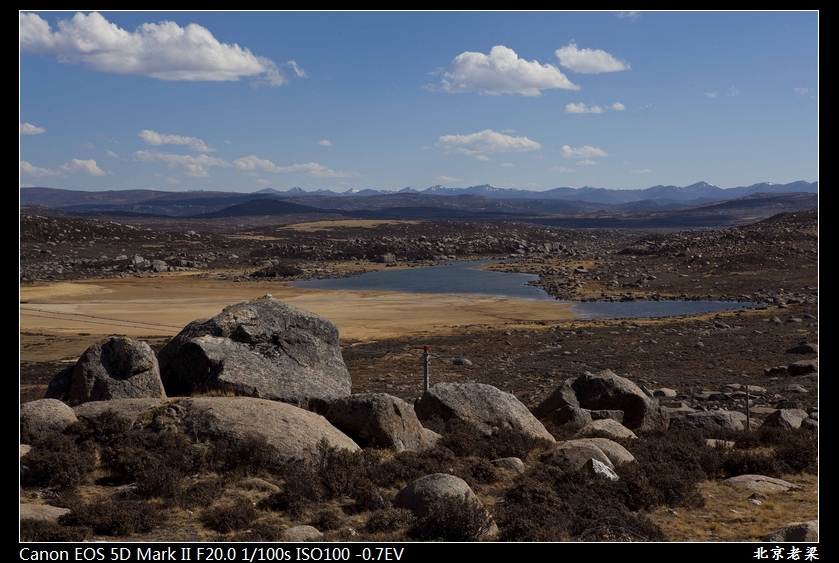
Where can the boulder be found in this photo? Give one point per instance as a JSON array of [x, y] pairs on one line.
[[509, 463], [803, 367], [261, 348], [381, 421], [570, 415], [611, 428], [39, 418], [483, 406], [573, 455], [707, 420], [606, 390], [43, 512], [113, 368], [616, 453], [795, 532], [131, 410], [786, 418], [759, 483], [302, 533], [598, 469], [563, 395], [419, 495], [804, 348], [295, 433]]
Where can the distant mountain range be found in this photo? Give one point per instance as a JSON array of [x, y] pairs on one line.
[[696, 193], [699, 204]]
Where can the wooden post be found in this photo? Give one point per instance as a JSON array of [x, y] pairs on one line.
[[748, 410], [425, 369]]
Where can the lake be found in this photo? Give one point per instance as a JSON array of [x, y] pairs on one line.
[[467, 278]]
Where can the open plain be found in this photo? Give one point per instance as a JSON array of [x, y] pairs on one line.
[[83, 280]]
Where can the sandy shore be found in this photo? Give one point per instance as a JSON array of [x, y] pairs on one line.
[[163, 305]]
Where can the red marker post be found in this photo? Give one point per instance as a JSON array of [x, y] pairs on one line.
[[425, 357]]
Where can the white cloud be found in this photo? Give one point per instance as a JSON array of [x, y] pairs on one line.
[[582, 108], [733, 91], [507, 164], [502, 72], [262, 181], [29, 129], [586, 162], [157, 139], [486, 142], [802, 91], [448, 179], [112, 154], [582, 152], [78, 166], [711, 94], [195, 166], [162, 50], [482, 158], [617, 106], [297, 70], [589, 61], [325, 143], [631, 14], [313, 169], [29, 169], [563, 169], [172, 181], [641, 171]]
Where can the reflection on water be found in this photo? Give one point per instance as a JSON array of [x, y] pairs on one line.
[[464, 277]]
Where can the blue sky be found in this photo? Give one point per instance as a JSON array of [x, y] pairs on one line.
[[241, 101]]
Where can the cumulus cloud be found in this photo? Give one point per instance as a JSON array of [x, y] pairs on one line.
[[582, 152], [582, 108], [586, 162], [507, 164], [486, 142], [29, 129], [482, 158], [297, 70], [195, 166], [157, 139], [589, 61], [112, 154], [563, 169], [325, 143], [502, 72], [78, 166], [313, 169], [162, 50], [30, 170], [617, 106]]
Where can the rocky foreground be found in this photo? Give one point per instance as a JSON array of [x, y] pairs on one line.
[[259, 425]]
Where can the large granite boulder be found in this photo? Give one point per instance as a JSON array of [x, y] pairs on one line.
[[39, 418], [261, 348], [295, 433], [380, 420], [606, 390], [483, 406], [795, 532], [113, 368], [573, 455]]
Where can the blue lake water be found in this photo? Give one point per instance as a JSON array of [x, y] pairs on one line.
[[465, 277]]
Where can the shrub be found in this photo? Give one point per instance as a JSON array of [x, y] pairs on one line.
[[453, 519], [389, 520], [230, 518], [48, 531], [57, 461], [116, 517]]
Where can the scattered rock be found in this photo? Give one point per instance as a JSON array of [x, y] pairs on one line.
[[760, 483], [795, 532]]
